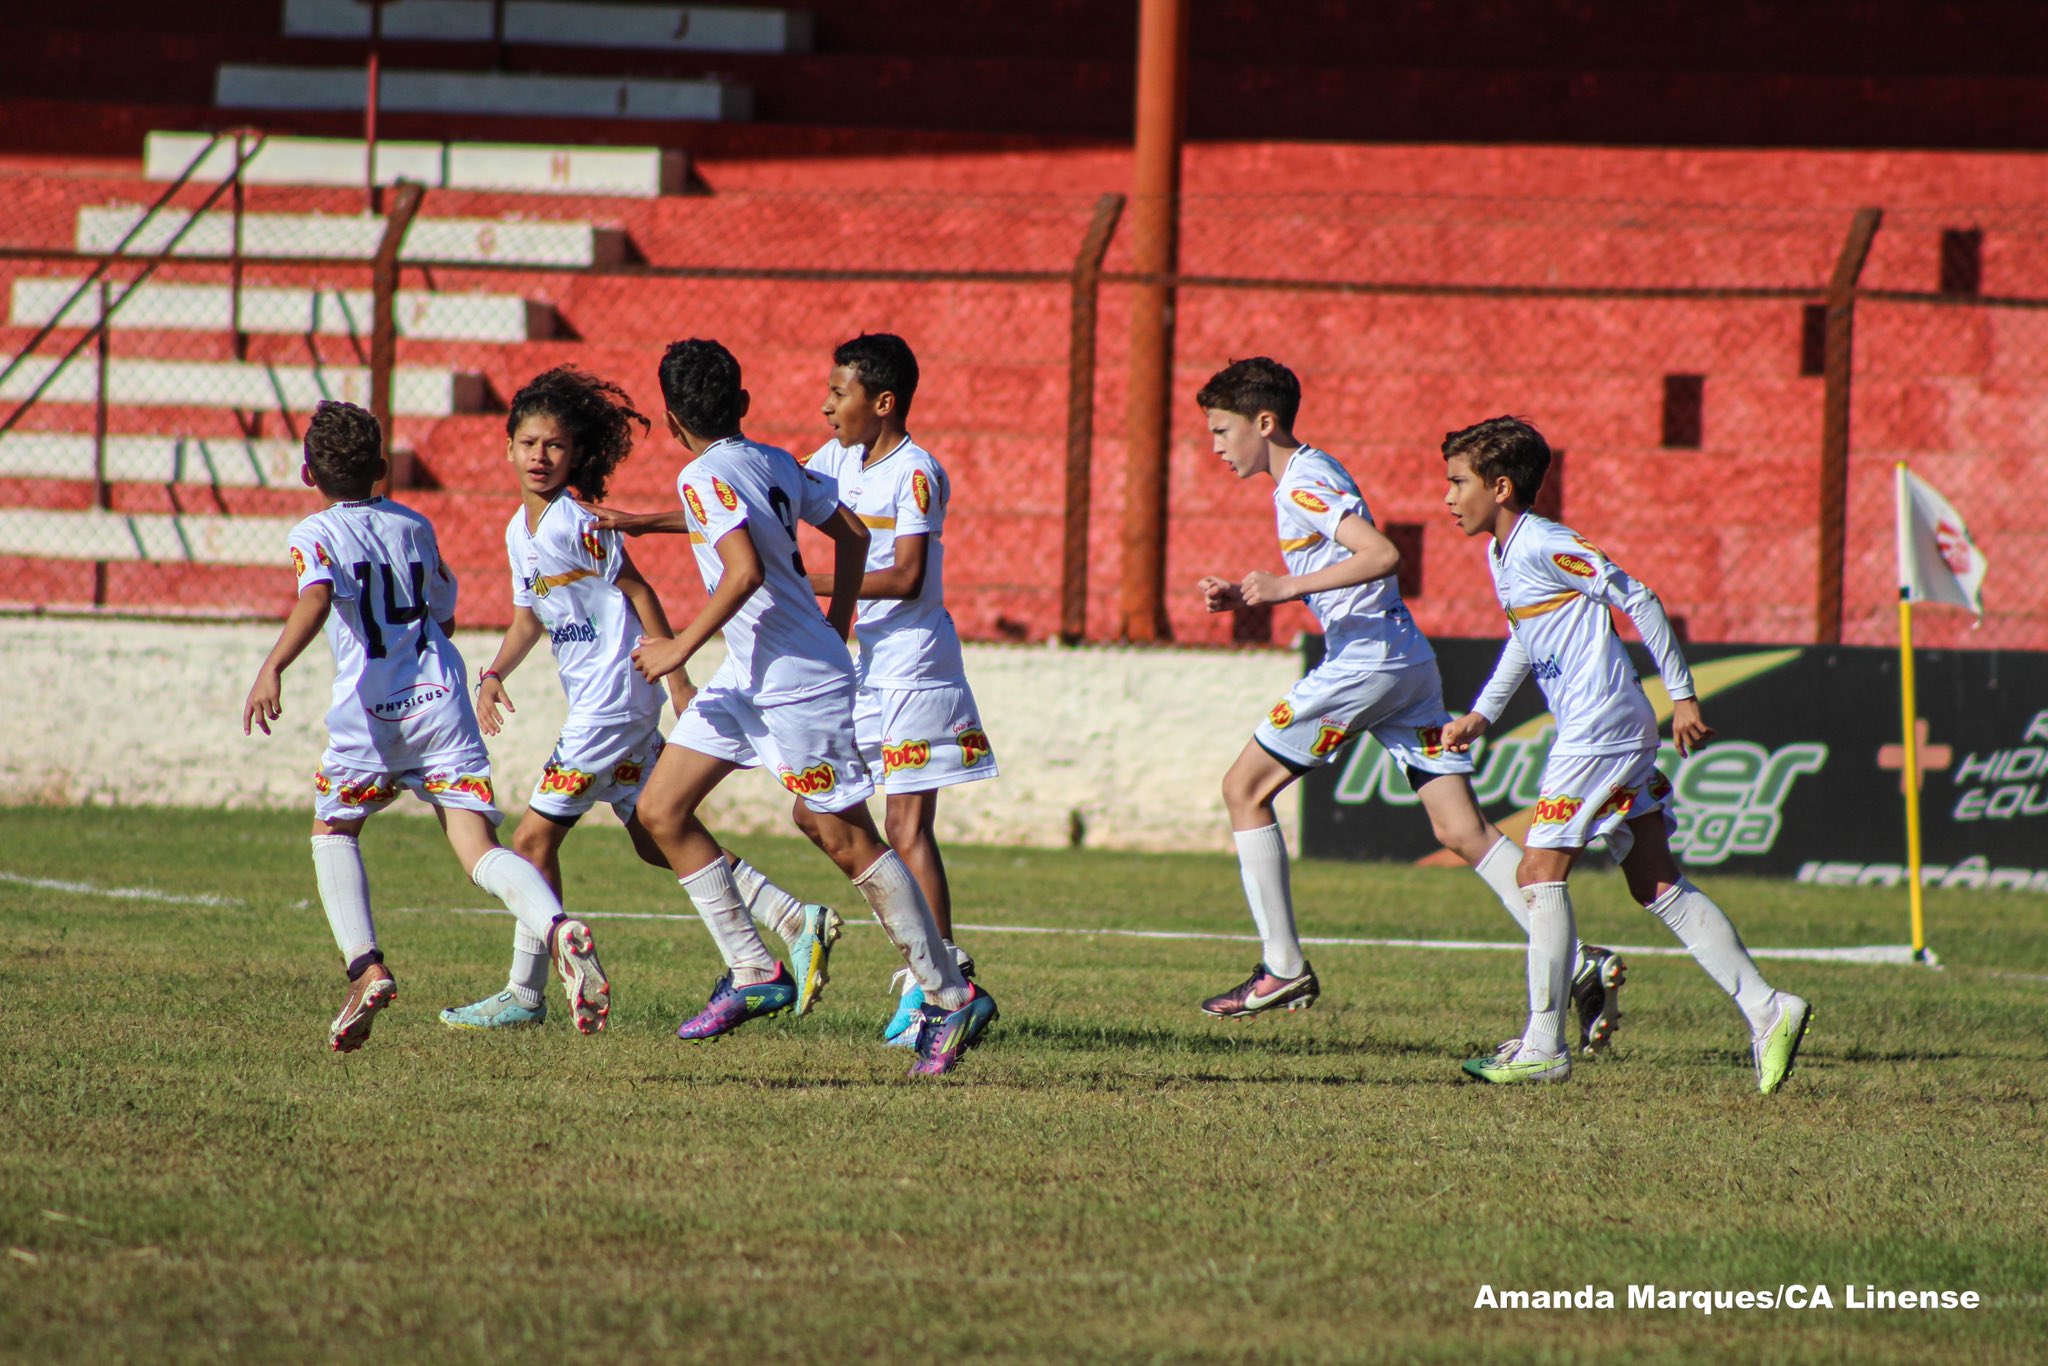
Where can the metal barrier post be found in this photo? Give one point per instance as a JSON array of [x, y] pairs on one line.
[[1087, 290], [241, 338], [1834, 425], [384, 316]]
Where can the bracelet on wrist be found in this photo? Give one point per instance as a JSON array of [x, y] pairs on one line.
[[489, 673]]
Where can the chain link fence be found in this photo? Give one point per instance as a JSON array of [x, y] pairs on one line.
[[1727, 389]]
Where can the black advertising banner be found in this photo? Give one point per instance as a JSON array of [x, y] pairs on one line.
[[1804, 778]]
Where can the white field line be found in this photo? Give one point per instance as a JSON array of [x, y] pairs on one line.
[[1866, 953]]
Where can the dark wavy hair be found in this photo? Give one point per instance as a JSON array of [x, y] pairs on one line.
[[595, 414], [700, 383], [1257, 384], [884, 364], [1499, 446], [344, 449]]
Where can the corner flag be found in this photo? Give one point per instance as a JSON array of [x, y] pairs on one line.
[[1938, 562]]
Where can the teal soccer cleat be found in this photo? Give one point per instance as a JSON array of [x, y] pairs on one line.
[[495, 1012], [809, 953]]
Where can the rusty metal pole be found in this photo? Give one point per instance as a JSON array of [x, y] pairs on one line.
[[1154, 236], [370, 107], [405, 202], [1087, 290], [1834, 424]]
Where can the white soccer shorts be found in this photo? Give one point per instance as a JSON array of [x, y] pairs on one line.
[[1346, 695], [348, 789], [809, 744], [601, 763], [1588, 796], [919, 739]]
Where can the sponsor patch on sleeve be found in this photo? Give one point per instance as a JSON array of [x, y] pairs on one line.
[[695, 504], [921, 490], [1574, 565], [298, 563], [1304, 499], [727, 499], [592, 544]]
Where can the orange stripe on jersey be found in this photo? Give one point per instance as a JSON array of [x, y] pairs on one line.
[[1518, 615], [1301, 542], [887, 523], [546, 583]]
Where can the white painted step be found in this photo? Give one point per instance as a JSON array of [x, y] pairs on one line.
[[636, 172], [654, 27], [311, 236], [161, 537], [415, 392], [239, 86], [421, 315]]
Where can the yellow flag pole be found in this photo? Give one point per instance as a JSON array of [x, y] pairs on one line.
[[1910, 706]]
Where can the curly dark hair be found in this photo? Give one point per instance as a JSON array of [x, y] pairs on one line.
[[594, 413], [344, 449], [1499, 446], [884, 364], [700, 383]]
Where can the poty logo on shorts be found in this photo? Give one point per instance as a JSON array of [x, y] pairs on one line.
[[696, 505], [921, 490], [974, 746], [1282, 715], [470, 785], [1431, 738], [558, 781], [365, 793], [629, 774], [1328, 738], [320, 783], [408, 701], [727, 499], [1304, 499], [1557, 810], [810, 782], [1619, 802], [592, 544], [909, 754], [298, 563], [1573, 565]]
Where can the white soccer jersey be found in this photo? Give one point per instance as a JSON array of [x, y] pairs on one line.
[[394, 668], [567, 571], [779, 647], [1557, 587], [1315, 493], [905, 643]]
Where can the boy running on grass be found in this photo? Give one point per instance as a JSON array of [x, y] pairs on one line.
[[1601, 777], [783, 698], [1378, 674], [914, 715], [371, 572], [576, 586]]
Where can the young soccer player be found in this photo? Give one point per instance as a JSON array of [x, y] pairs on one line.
[[576, 586], [1601, 776], [1378, 674], [914, 715], [783, 698], [371, 572]]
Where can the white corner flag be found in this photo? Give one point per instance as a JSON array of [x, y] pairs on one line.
[[1938, 562]]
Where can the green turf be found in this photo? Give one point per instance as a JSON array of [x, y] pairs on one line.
[[186, 1173]]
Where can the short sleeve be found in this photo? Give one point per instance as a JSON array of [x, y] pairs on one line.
[[713, 505], [920, 500], [819, 498], [522, 594], [310, 559], [1318, 508], [598, 549]]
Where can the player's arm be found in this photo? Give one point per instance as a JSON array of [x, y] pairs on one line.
[[1220, 594], [904, 579], [740, 576], [1508, 673], [1614, 587], [849, 537], [265, 702], [636, 523], [646, 604], [520, 637], [1372, 556]]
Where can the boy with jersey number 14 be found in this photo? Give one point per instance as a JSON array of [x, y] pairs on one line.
[[370, 572], [1600, 778], [1378, 674]]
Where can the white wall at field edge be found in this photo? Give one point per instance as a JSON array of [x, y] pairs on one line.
[[117, 712]]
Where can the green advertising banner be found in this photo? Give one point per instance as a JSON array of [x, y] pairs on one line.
[[1803, 779]]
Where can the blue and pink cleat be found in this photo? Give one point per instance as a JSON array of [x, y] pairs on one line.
[[944, 1035], [731, 1006]]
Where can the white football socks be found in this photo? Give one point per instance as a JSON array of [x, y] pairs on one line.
[[717, 899], [520, 886], [893, 895], [1710, 937], [529, 979], [344, 894], [1497, 870], [1549, 907], [768, 903], [1262, 861]]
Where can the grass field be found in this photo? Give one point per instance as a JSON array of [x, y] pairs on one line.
[[188, 1174]]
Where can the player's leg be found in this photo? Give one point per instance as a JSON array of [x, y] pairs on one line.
[[523, 1001], [1777, 1020], [808, 929], [907, 819], [1282, 978], [344, 798]]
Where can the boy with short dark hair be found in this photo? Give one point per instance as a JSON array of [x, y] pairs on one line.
[[914, 715], [1378, 674], [783, 698], [371, 573], [1600, 778]]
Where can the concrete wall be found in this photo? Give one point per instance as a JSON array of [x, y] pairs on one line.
[[148, 713]]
